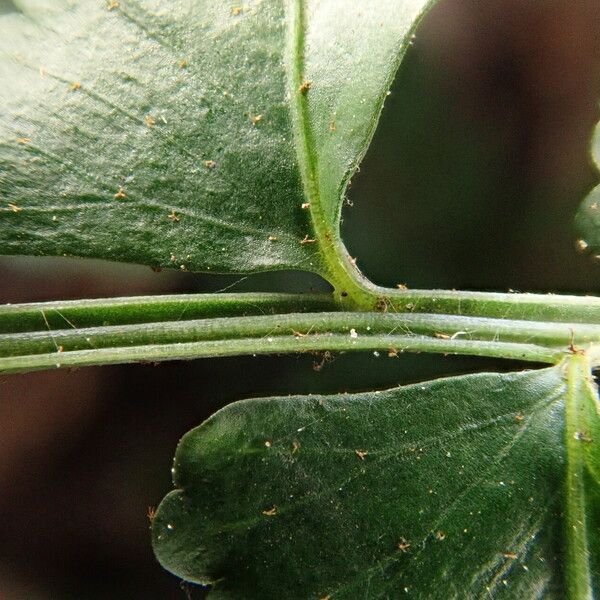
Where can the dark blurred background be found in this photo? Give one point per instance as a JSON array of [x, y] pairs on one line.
[[472, 181]]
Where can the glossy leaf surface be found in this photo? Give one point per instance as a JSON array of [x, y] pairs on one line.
[[454, 488], [188, 133]]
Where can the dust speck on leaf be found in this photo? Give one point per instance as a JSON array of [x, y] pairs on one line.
[[173, 216], [236, 10], [151, 513], [295, 447], [23, 140], [112, 4], [332, 126], [511, 555], [255, 119], [74, 86], [271, 512], [210, 164], [305, 205], [403, 545], [272, 238], [150, 121], [120, 195], [14, 207], [361, 454], [440, 535], [581, 245], [582, 436], [182, 64]]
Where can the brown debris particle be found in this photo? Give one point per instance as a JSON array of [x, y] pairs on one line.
[[298, 334], [173, 216], [326, 357], [304, 86], [182, 64], [519, 417], [120, 195], [381, 305], [582, 436], [594, 206], [14, 207], [210, 164], [442, 336], [295, 447], [74, 86], [150, 121], [151, 513], [271, 512], [511, 555], [305, 205], [361, 454], [403, 545], [236, 10], [255, 119], [326, 597], [307, 240], [112, 4], [60, 349], [23, 140], [332, 126], [272, 238], [581, 245], [402, 286], [268, 443], [440, 535]]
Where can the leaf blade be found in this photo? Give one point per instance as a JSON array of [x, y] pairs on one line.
[[318, 496], [162, 133]]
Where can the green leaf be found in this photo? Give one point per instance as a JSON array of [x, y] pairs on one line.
[[461, 487], [189, 133], [587, 220]]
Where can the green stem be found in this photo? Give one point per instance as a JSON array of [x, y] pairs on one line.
[[149, 309], [293, 332], [578, 571], [356, 325], [530, 307], [275, 345]]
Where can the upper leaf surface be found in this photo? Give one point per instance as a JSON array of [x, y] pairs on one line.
[[177, 133], [447, 489]]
